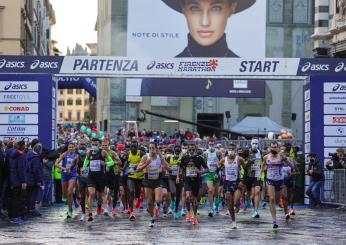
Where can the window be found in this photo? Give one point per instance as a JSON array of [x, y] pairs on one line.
[[78, 91], [61, 91], [61, 103], [78, 115], [337, 9], [69, 115], [78, 102], [86, 114], [86, 102], [70, 91], [61, 115], [70, 101]]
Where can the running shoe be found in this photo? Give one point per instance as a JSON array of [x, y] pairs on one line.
[[132, 216], [264, 205], [16, 221], [227, 213], [195, 220], [69, 215], [288, 216], [234, 225], [157, 213], [171, 205], [114, 212], [106, 212], [203, 200], [188, 216], [82, 218], [211, 213], [76, 204], [183, 212], [248, 203], [275, 226], [137, 203], [170, 211], [176, 215], [255, 214], [164, 215], [99, 210], [292, 212], [152, 223], [198, 213], [90, 217]]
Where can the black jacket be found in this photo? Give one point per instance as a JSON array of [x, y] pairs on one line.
[[317, 171]]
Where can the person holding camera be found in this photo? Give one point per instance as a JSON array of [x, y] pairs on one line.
[[338, 160], [315, 170]]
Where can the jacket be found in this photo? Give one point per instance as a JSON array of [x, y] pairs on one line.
[[317, 171], [17, 167], [34, 170]]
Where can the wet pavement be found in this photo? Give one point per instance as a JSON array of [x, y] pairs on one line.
[[322, 226]]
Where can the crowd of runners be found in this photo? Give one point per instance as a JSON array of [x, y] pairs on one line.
[[103, 177]]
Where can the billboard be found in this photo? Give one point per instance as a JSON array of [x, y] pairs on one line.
[[174, 28]]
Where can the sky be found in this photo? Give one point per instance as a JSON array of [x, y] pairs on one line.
[[75, 23]]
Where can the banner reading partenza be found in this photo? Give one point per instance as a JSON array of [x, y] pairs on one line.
[[194, 28]]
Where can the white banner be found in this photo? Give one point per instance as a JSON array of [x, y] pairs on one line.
[[307, 116], [335, 141], [307, 127], [19, 129], [335, 130], [307, 95], [335, 87], [334, 109], [307, 137], [329, 150], [18, 108], [18, 97], [334, 120], [334, 98], [27, 139], [307, 105], [18, 118], [18, 86]]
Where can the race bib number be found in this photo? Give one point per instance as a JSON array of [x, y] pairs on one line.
[[95, 165], [84, 172], [191, 172], [232, 174], [274, 173], [153, 174], [212, 166], [175, 170], [256, 167], [132, 169], [69, 162]]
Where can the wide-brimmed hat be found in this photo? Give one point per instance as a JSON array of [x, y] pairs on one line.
[[242, 4]]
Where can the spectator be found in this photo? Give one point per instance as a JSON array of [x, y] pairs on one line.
[[338, 160], [315, 171]]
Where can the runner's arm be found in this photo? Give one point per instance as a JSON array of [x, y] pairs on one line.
[[145, 161], [57, 162]]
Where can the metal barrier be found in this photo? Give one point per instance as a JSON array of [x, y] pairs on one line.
[[333, 190]]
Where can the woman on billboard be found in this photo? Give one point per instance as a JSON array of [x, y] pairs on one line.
[[207, 22]]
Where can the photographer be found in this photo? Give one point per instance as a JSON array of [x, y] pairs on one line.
[[315, 170], [338, 160]]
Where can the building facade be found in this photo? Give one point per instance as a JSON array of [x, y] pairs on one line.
[[25, 27], [290, 24]]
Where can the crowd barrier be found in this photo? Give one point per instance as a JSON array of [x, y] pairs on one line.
[[333, 190]]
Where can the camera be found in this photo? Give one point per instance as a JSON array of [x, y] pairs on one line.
[[333, 155]]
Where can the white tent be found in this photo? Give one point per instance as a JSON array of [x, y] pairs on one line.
[[257, 126]]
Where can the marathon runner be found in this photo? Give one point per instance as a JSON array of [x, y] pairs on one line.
[[273, 163], [153, 164], [192, 164], [67, 164], [82, 177]]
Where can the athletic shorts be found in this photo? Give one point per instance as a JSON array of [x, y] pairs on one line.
[[248, 181], [165, 184], [152, 184], [276, 183], [67, 177], [256, 183], [209, 177], [192, 185], [98, 181], [231, 186], [112, 180], [82, 182], [123, 180], [289, 183]]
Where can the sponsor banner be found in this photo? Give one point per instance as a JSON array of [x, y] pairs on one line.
[[334, 87], [87, 83], [335, 130], [329, 150], [334, 120], [307, 105], [334, 98], [18, 97], [18, 86], [307, 95], [18, 108], [307, 148], [334, 109], [31, 64], [335, 141], [307, 127], [27, 139], [307, 116], [18, 119], [307, 137], [19, 129]]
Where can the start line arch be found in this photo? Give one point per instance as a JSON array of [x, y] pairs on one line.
[[28, 92]]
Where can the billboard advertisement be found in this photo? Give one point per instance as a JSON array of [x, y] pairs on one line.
[[187, 29]]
